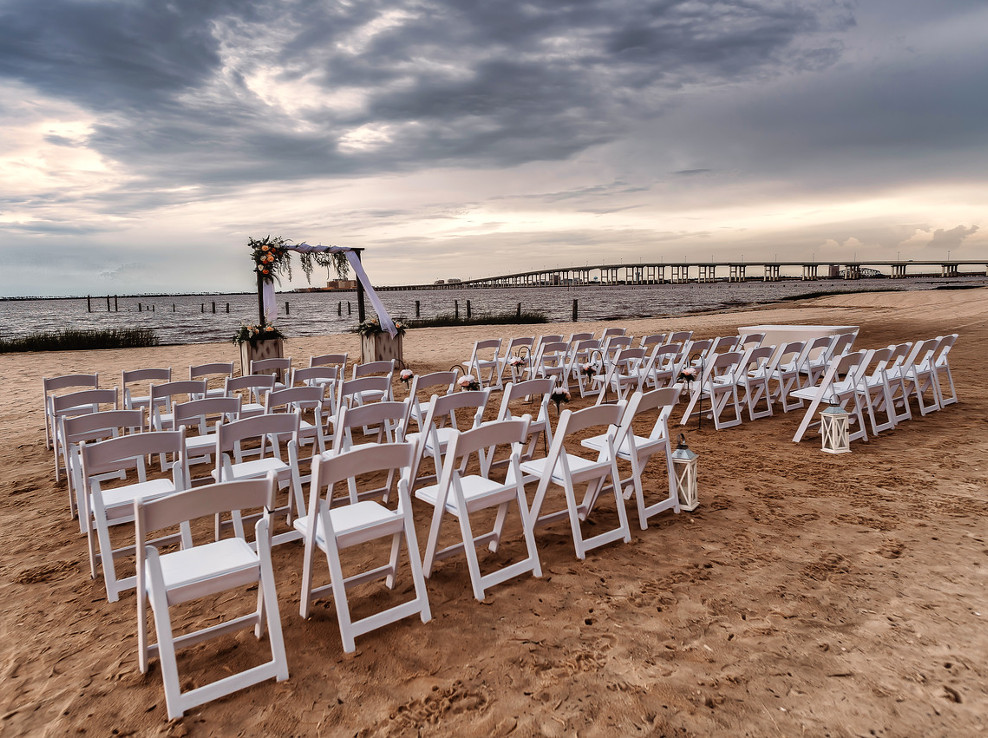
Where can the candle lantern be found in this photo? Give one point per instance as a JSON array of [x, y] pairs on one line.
[[684, 465], [834, 430]]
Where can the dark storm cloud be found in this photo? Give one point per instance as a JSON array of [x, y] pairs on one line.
[[453, 82]]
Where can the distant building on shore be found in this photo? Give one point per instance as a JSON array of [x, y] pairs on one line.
[[341, 285]]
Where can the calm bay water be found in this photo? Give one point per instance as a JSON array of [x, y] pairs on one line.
[[189, 318]]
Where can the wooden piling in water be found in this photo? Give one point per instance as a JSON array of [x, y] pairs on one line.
[[287, 311], [456, 309], [107, 303], [214, 307], [89, 304], [418, 309], [468, 310], [519, 310], [576, 311]]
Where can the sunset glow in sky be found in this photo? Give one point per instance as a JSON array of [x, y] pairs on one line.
[[143, 142]]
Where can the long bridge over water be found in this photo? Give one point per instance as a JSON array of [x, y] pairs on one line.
[[713, 271]]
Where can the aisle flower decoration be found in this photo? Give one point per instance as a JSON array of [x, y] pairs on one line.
[[468, 382], [688, 375], [516, 361], [406, 376], [560, 395], [589, 370], [253, 333]]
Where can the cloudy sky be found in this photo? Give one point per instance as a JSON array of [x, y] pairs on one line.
[[144, 141]]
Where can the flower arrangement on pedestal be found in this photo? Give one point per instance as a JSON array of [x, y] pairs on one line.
[[372, 327], [468, 383], [253, 333]]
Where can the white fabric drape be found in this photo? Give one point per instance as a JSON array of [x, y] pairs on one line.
[[271, 307]]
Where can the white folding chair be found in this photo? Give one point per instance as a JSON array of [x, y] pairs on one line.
[[326, 377], [176, 577], [875, 393], [584, 354], [625, 373], [725, 344], [815, 359], [251, 388], [280, 367], [333, 529], [920, 376], [896, 381], [941, 369], [755, 371], [838, 386], [306, 402], [485, 357], [103, 508], [719, 384], [71, 405], [92, 427], [537, 348], [133, 396], [552, 362], [638, 450], [608, 332], [378, 369], [198, 418], [516, 355], [564, 468], [216, 371], [331, 360], [387, 422], [440, 425], [232, 463], [784, 370], [664, 365], [535, 393], [461, 494], [52, 385], [163, 396], [424, 386]]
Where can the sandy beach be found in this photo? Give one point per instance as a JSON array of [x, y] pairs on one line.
[[808, 595]]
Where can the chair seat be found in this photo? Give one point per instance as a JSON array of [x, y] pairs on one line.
[[474, 488], [125, 496], [189, 566], [599, 443], [255, 468], [443, 434], [349, 519], [577, 465], [200, 444]]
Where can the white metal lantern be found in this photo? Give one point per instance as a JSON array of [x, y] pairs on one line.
[[834, 430], [684, 465]]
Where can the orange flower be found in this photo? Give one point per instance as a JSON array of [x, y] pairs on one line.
[[265, 271], [264, 248]]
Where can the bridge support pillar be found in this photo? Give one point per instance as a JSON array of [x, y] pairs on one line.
[[898, 271], [772, 273], [809, 272], [948, 270], [736, 273], [852, 271], [708, 273]]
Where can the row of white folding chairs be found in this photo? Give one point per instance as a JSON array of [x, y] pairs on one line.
[[191, 572], [881, 383]]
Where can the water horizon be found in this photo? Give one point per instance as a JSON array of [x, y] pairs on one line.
[[187, 318]]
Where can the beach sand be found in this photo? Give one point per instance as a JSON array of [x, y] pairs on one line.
[[809, 594]]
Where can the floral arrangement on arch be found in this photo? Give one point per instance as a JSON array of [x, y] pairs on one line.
[[372, 327], [272, 259], [253, 333]]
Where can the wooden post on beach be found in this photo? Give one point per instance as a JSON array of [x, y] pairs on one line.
[[468, 310], [89, 304], [418, 309], [576, 311]]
